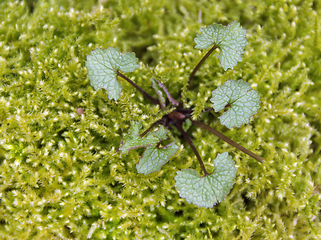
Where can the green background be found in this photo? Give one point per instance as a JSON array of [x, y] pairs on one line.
[[61, 176]]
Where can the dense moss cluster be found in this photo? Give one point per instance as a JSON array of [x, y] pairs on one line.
[[61, 174]]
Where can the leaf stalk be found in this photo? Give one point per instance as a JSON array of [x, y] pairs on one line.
[[188, 139], [228, 140], [191, 76], [153, 100], [150, 128]]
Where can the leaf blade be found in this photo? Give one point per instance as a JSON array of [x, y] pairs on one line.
[[132, 140], [243, 100], [209, 190], [231, 39], [102, 66], [153, 158]]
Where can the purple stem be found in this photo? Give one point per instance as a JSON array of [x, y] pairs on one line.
[[188, 139], [228, 140], [153, 100], [150, 128], [200, 63]]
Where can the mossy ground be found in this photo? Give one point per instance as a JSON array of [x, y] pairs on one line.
[[61, 176]]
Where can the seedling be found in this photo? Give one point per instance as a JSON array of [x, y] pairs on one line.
[[106, 66]]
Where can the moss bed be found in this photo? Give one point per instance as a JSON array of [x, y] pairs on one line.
[[61, 176]]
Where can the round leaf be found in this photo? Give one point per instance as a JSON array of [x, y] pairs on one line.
[[102, 66], [211, 189], [230, 39], [242, 100]]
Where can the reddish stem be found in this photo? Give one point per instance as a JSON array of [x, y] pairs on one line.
[[188, 139], [150, 128], [228, 140], [200, 63], [153, 100]]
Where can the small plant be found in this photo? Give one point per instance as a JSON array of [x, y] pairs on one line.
[[106, 65]]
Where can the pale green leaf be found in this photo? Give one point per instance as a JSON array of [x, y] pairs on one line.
[[103, 64], [154, 158], [133, 140], [209, 190], [242, 100], [230, 39]]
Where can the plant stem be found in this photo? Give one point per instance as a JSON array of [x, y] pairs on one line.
[[150, 128], [208, 110], [200, 63], [188, 139], [228, 140], [153, 100]]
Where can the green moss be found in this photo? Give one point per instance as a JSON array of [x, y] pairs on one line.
[[61, 176]]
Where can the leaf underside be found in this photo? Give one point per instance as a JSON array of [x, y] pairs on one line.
[[169, 96], [209, 190], [243, 100], [103, 65], [230, 39]]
